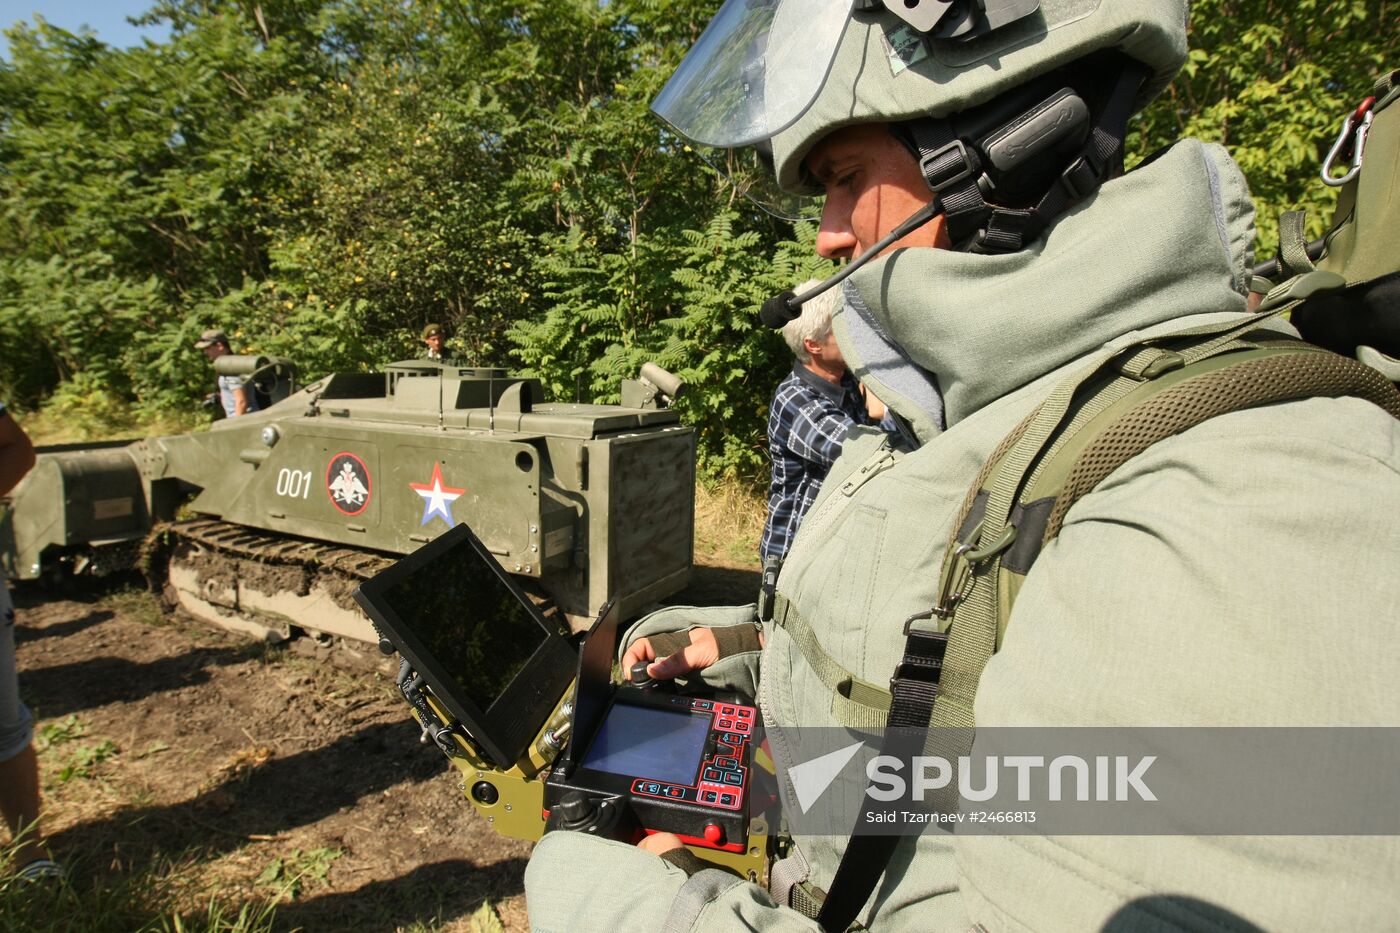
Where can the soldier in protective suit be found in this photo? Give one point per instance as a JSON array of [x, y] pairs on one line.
[[1239, 573]]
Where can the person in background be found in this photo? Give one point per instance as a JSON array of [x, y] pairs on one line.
[[235, 394], [813, 410], [434, 337], [19, 766]]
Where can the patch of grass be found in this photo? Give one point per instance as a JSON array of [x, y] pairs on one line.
[[219, 917], [58, 733], [484, 920], [728, 523], [85, 760], [142, 900], [292, 874], [155, 748], [70, 418], [138, 604]]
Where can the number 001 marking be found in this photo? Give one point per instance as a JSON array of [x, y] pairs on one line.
[[294, 484]]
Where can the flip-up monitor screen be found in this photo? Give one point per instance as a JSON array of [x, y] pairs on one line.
[[489, 654]]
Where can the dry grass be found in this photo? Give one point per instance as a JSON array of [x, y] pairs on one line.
[[55, 425], [728, 524]]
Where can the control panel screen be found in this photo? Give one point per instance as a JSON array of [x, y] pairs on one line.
[[651, 743], [469, 620]]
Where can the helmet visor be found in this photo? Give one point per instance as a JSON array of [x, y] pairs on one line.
[[747, 172], [756, 68]]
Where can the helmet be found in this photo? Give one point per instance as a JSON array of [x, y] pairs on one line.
[[791, 76], [946, 77]]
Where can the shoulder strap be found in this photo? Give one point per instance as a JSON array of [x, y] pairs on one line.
[[1115, 424]]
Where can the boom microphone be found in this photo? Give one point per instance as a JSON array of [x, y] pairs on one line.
[[780, 309], [787, 305]]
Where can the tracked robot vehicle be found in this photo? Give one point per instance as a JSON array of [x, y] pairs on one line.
[[265, 523]]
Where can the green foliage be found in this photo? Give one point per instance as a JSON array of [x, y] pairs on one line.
[[322, 177], [85, 759], [485, 920], [1273, 80], [59, 733], [291, 875]]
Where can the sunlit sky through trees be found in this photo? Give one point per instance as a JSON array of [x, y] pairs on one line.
[[106, 18]]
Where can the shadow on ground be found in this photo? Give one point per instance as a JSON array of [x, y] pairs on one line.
[[718, 586], [264, 800], [24, 633], [107, 680], [438, 892]]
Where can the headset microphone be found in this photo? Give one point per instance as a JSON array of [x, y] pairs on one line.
[[786, 306]]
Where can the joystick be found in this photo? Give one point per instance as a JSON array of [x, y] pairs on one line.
[[605, 816], [640, 677], [576, 811]]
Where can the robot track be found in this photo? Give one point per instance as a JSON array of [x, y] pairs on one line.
[[270, 587]]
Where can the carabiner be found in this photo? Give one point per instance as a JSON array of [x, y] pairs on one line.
[[1352, 139]]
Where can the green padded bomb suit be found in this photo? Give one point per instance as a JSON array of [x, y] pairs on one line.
[[1244, 572]]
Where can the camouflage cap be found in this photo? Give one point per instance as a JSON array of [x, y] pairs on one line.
[[211, 337], [434, 330]]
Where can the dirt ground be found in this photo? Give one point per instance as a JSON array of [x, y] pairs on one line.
[[238, 771]]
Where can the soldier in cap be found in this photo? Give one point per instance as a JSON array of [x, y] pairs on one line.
[[235, 395], [1238, 573], [434, 337]]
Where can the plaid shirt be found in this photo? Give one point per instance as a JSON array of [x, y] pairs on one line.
[[807, 423]]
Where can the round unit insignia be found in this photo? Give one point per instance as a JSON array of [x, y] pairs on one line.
[[348, 483]]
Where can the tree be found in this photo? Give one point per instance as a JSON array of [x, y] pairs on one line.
[[323, 177], [1273, 80]]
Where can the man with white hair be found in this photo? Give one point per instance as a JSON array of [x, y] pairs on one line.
[[813, 410]]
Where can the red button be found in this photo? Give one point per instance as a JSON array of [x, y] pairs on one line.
[[714, 833]]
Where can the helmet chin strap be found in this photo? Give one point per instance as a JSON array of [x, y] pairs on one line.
[[787, 305]]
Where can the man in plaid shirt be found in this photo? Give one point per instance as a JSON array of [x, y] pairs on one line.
[[812, 411]]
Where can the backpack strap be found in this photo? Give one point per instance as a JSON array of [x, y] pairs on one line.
[[987, 559]]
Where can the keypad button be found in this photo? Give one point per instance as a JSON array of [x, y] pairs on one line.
[[726, 763], [744, 727], [712, 775], [727, 800], [745, 714], [733, 777]]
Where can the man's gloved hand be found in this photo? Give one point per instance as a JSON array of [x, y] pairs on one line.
[[676, 653]]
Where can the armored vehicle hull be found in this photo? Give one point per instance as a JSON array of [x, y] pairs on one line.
[[283, 511]]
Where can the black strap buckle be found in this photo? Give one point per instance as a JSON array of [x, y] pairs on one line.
[[1080, 180], [923, 653], [768, 589], [941, 177]]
